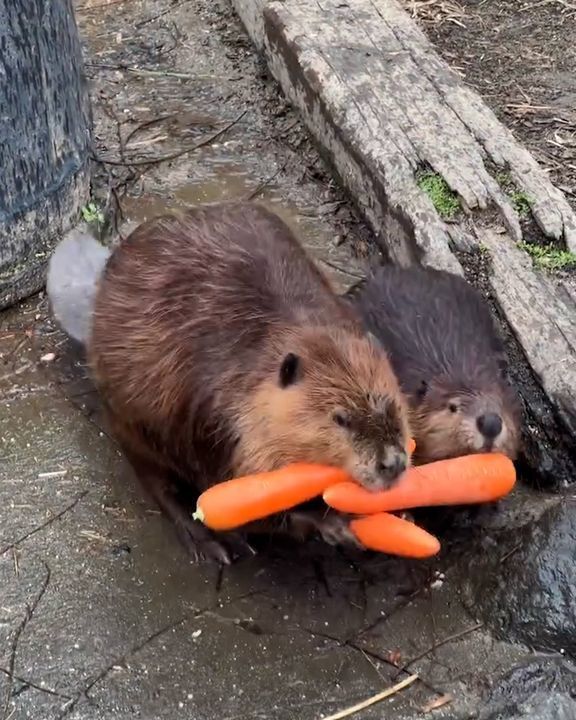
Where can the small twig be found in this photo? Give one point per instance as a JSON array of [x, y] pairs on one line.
[[147, 124], [18, 371], [149, 72], [288, 128], [373, 665], [111, 113], [332, 207], [48, 522], [147, 142], [528, 106], [14, 350], [437, 703], [52, 474], [510, 553], [148, 20], [440, 643], [562, 3], [30, 609], [118, 220], [173, 156], [89, 8], [264, 184], [374, 699], [344, 271]]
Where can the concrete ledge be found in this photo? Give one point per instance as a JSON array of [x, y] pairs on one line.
[[384, 107]]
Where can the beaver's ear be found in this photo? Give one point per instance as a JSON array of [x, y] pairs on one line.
[[422, 390], [290, 370]]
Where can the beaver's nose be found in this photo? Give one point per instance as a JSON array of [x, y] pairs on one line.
[[490, 425], [393, 463]]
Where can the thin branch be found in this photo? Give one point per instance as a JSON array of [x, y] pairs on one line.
[[152, 18], [173, 156], [150, 72], [264, 184], [147, 124], [91, 8], [374, 699], [342, 270]]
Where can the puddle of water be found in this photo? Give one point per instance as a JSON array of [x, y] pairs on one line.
[[226, 183], [229, 182]]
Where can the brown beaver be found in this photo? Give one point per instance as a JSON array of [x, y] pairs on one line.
[[449, 360], [219, 350]]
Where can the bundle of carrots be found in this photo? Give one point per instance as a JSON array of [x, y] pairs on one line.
[[459, 481]]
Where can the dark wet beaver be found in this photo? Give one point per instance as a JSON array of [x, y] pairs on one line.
[[449, 360], [219, 350]]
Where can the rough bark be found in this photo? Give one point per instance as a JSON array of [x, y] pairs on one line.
[[44, 132]]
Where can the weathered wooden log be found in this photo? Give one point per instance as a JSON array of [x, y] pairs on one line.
[[44, 138], [385, 109]]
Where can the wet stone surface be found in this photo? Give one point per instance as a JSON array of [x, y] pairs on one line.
[[102, 615], [544, 689], [528, 590]]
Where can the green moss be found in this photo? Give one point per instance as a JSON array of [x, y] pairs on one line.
[[550, 258], [92, 214], [444, 200], [520, 201], [505, 181]]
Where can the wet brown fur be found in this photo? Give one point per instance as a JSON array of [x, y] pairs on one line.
[[446, 353], [193, 317]]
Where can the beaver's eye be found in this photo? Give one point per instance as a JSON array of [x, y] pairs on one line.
[[289, 370], [341, 419], [453, 407]]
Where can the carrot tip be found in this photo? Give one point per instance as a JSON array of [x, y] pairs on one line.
[[198, 515]]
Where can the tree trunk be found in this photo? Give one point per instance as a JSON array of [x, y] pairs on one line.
[[44, 138]]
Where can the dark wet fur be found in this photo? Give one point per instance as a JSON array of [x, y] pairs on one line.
[[432, 323], [435, 326], [187, 321]]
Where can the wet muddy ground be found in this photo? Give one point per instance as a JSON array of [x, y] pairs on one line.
[[102, 616]]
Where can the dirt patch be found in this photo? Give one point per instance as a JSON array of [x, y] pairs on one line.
[[185, 113], [520, 56]]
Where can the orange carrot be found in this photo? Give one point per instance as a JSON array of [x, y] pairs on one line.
[[459, 481], [236, 502], [411, 446], [393, 535]]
